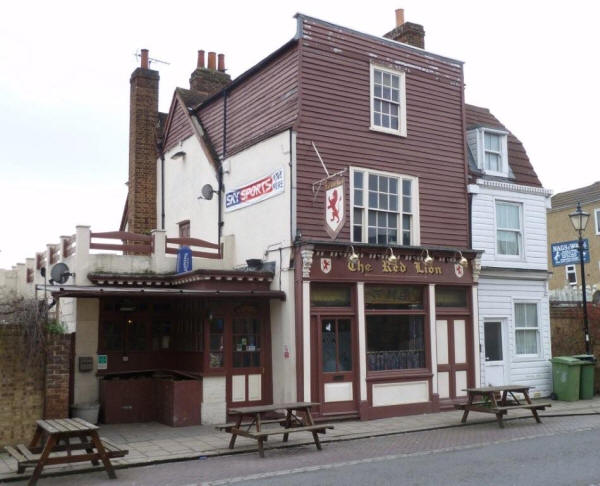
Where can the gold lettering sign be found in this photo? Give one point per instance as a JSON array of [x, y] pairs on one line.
[[360, 267], [395, 267], [430, 269]]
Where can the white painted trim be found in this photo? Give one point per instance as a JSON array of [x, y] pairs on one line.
[[416, 226], [306, 338], [476, 337], [526, 357], [509, 186], [432, 338], [362, 340], [596, 220], [506, 356], [401, 132], [573, 269], [481, 131], [522, 249]]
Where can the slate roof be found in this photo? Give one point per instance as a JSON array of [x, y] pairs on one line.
[[569, 199], [522, 171]]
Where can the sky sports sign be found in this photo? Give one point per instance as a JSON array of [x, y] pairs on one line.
[[255, 191], [567, 252]]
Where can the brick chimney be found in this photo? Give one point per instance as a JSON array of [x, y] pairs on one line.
[[143, 123], [407, 32], [207, 81]]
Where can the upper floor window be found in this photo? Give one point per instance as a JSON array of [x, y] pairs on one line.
[[184, 229], [384, 208], [597, 220], [388, 100], [490, 150], [509, 229], [571, 274]]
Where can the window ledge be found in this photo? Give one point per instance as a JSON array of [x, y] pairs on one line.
[[396, 375], [389, 131]]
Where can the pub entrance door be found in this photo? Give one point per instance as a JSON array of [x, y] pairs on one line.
[[335, 366], [454, 340]]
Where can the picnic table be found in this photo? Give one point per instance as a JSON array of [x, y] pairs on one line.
[[499, 400], [55, 436], [298, 418]]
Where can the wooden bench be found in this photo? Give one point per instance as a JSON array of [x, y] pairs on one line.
[[298, 418], [29, 457], [75, 437], [263, 435], [227, 427], [500, 405]]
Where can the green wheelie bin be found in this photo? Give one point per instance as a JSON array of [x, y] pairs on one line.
[[586, 387], [566, 372]]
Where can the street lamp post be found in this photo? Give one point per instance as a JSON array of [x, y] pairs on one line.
[[579, 219]]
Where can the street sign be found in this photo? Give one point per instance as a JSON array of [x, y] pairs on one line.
[[567, 252]]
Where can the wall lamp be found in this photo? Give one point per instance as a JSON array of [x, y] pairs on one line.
[[427, 260], [353, 258], [178, 155], [391, 258], [462, 261]]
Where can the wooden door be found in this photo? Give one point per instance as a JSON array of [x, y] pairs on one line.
[[249, 356], [453, 350], [337, 366]]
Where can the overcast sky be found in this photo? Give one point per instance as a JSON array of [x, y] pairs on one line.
[[64, 87]]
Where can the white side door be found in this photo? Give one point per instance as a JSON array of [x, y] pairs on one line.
[[495, 353]]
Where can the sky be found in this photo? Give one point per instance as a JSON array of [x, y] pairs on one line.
[[64, 87]]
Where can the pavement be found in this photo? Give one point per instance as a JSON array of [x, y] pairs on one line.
[[152, 443]]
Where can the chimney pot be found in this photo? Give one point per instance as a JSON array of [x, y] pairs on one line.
[[222, 63], [200, 59], [399, 17], [212, 61], [145, 63]]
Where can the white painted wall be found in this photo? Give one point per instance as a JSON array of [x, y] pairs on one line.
[[496, 302], [534, 202], [184, 178], [262, 227]]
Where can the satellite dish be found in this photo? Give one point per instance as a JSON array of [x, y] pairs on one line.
[[60, 273], [207, 191]]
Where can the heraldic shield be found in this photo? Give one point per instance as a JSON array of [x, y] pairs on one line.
[[335, 215]]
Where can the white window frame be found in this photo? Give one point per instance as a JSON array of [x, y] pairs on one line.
[[597, 220], [401, 131], [521, 255], [503, 150], [415, 236], [537, 329], [571, 269]]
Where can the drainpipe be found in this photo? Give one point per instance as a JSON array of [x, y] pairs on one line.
[[220, 172], [161, 154]]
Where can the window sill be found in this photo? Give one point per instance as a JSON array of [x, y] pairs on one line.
[[389, 131], [397, 375]]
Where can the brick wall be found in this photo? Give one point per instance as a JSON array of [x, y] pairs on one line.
[[22, 384], [568, 335]]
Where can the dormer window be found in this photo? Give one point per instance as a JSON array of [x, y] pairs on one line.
[[490, 150]]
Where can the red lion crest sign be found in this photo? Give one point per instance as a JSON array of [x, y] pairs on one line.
[[335, 215]]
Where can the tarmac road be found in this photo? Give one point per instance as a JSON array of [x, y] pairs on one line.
[[561, 451]]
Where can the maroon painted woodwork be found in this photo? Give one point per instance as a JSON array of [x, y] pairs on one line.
[[191, 242], [130, 242]]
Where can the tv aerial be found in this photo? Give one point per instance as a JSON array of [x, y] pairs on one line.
[[60, 274]]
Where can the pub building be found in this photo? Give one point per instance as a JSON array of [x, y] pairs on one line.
[[387, 331]]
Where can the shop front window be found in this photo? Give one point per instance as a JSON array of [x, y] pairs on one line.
[[330, 296], [216, 335], [246, 343], [395, 342], [394, 297]]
